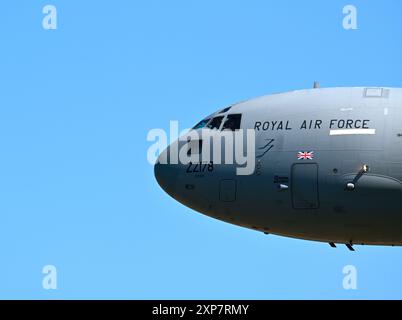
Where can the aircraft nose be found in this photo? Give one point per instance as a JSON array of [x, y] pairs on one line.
[[165, 176]]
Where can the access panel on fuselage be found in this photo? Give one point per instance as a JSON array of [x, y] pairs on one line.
[[305, 186]]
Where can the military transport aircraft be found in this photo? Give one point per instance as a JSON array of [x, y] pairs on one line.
[[328, 167]]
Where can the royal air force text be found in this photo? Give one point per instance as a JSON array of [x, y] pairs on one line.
[[287, 125]]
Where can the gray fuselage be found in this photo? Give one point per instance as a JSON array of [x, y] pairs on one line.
[[328, 168]]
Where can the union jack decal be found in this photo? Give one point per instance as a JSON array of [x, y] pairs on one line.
[[305, 155]]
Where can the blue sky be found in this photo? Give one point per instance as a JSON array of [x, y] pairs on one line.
[[76, 104]]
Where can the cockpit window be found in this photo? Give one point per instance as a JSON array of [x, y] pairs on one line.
[[201, 124], [215, 123], [225, 110], [233, 122]]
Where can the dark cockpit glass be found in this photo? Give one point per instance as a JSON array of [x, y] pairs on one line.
[[225, 110], [215, 123], [201, 124], [233, 122]]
